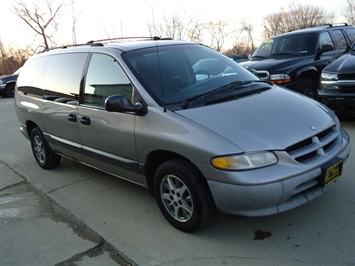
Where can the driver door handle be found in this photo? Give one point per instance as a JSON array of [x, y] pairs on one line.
[[85, 120]]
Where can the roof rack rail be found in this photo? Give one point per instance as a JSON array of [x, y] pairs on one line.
[[100, 42], [154, 38], [336, 24]]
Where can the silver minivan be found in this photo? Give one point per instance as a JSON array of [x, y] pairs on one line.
[[198, 130]]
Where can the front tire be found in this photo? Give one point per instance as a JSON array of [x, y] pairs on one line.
[[42, 152], [307, 87], [183, 196]]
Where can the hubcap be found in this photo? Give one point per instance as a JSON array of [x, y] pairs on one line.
[[38, 148], [176, 198]]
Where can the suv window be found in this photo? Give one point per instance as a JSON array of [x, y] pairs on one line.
[[339, 39], [351, 33], [105, 77], [325, 39]]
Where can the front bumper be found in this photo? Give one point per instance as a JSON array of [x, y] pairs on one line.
[[288, 192], [340, 102]]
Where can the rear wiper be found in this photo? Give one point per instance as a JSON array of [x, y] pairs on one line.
[[223, 89]]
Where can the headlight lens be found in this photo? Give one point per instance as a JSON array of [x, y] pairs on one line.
[[329, 77], [280, 78], [244, 161]]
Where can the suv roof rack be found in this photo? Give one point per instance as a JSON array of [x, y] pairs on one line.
[[102, 41], [336, 24]]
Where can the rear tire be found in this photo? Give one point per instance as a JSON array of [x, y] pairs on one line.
[[183, 196], [42, 152]]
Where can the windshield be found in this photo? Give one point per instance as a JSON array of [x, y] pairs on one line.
[[174, 73], [287, 45]]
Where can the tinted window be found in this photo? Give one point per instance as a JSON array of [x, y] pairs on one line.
[[30, 79], [351, 34], [64, 73], [324, 39], [105, 77], [339, 39]]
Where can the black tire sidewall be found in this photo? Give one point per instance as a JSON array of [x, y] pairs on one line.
[[51, 159], [202, 201]]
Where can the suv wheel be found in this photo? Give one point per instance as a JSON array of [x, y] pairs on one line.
[[183, 196], [307, 87], [10, 90], [43, 154]]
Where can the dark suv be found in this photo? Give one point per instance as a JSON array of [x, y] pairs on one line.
[[337, 88], [7, 84], [296, 59]]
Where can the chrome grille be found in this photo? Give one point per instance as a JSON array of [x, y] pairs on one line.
[[314, 146]]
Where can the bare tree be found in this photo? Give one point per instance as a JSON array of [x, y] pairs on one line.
[[174, 27], [195, 31], [297, 16], [349, 12], [12, 59], [40, 16], [218, 33]]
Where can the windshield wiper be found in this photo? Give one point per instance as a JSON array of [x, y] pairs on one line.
[[236, 85], [286, 53], [260, 56]]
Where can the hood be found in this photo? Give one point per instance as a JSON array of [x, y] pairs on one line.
[[271, 120], [279, 64], [344, 64]]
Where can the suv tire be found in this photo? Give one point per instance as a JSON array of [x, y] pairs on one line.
[[307, 87], [43, 154], [183, 196]]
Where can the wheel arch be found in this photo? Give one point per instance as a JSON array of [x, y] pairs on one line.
[[155, 159], [309, 72]]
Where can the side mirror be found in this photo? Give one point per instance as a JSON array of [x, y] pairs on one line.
[[325, 48], [120, 103]]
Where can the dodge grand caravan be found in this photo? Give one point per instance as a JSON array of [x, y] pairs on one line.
[[191, 125]]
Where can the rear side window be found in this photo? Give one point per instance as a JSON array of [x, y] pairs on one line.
[[30, 80], [339, 40], [63, 74], [53, 76], [351, 34], [105, 77]]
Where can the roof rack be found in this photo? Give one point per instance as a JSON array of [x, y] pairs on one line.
[[336, 24], [100, 42]]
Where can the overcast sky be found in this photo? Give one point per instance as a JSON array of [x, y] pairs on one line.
[[99, 19]]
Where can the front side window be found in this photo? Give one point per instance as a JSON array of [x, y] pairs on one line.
[[324, 39], [105, 77]]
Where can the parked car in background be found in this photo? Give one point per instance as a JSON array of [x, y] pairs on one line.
[[238, 57], [190, 124], [337, 87], [296, 59], [7, 84]]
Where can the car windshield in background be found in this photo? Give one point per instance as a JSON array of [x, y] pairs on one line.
[[286, 45], [172, 74]]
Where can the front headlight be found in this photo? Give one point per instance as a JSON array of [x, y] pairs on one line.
[[1, 82], [280, 78], [244, 161], [329, 77]]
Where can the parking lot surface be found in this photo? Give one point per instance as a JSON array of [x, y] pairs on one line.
[[125, 217]]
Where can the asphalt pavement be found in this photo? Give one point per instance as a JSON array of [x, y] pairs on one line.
[[76, 215]]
